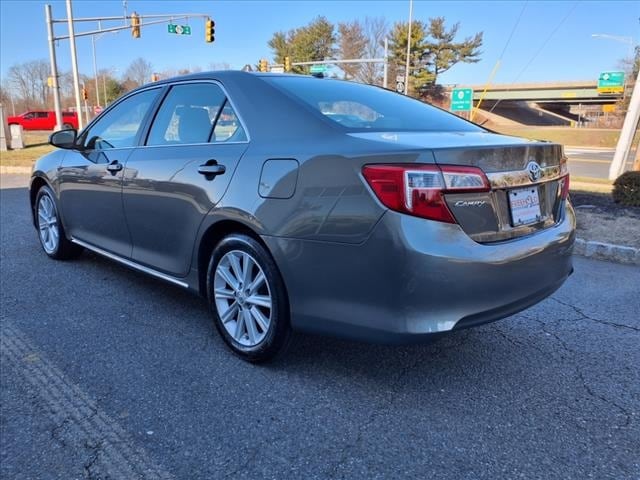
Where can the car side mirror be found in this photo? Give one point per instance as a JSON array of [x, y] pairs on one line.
[[64, 139]]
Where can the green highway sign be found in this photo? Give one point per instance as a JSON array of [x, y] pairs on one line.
[[461, 100], [318, 68], [179, 29], [611, 82]]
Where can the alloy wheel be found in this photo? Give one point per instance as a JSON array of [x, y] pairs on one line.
[[242, 298], [48, 224]]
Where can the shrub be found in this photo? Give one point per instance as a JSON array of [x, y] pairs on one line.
[[626, 189]]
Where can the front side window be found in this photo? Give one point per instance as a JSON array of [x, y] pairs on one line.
[[120, 126], [358, 107], [188, 115]]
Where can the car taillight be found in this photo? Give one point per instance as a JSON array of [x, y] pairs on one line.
[[564, 187], [419, 189]]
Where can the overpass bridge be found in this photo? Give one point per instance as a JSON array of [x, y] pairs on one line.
[[557, 92], [553, 103]]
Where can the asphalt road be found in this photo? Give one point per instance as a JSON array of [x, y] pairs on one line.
[[592, 162], [106, 373]]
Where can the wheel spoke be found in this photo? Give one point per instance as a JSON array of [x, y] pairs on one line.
[[53, 232], [260, 300], [239, 333], [247, 270], [42, 217], [227, 276], [234, 261], [251, 326], [261, 320], [229, 314], [256, 283], [224, 293]]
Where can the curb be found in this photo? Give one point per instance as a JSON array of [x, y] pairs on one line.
[[607, 251], [14, 170]]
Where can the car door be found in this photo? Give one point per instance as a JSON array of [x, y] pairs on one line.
[[91, 176], [182, 171]]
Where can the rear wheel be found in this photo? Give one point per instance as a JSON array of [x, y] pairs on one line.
[[50, 230], [248, 299]]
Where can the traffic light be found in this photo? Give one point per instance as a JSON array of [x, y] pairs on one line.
[[135, 25], [287, 64], [209, 31], [85, 94], [155, 77], [264, 65]]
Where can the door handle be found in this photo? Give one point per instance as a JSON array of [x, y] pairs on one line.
[[114, 166], [211, 170]]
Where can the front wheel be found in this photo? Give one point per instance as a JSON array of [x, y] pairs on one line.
[[50, 230], [248, 299]]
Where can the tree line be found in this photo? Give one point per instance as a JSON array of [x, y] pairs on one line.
[[25, 87], [435, 48]]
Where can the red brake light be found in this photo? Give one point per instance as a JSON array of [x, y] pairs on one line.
[[564, 192], [418, 189]]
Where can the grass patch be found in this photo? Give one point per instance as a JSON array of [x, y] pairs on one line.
[[24, 157], [35, 146]]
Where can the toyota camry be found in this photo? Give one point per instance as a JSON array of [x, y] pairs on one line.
[[298, 203]]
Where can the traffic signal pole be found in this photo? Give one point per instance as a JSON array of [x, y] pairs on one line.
[[74, 64], [70, 21], [54, 68]]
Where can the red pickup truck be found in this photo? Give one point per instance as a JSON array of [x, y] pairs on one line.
[[41, 120]]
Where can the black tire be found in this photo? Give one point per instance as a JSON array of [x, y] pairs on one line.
[[278, 334], [64, 250]]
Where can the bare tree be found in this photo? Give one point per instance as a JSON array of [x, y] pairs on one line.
[[375, 31], [219, 66], [351, 44], [138, 73], [29, 81]]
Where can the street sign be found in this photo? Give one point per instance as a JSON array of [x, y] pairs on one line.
[[97, 110], [461, 100], [318, 68], [400, 87], [277, 70], [179, 29], [611, 82]]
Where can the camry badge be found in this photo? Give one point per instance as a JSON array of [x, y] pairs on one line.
[[534, 170]]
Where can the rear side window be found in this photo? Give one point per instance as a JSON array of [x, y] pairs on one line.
[[188, 115], [358, 107]]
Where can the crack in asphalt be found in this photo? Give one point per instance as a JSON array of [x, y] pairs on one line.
[[95, 450], [584, 316], [388, 401], [580, 375]]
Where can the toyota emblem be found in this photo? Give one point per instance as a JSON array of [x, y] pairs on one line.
[[534, 170]]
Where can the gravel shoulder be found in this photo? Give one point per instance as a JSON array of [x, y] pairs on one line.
[[600, 219]]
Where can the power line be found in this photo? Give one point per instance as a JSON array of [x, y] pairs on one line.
[[513, 30], [542, 46]]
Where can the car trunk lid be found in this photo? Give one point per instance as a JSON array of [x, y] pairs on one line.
[[526, 178]]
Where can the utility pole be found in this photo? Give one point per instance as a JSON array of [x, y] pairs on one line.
[[385, 67], [406, 69], [74, 64], [54, 69], [626, 134]]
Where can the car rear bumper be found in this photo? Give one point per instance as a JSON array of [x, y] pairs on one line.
[[414, 278]]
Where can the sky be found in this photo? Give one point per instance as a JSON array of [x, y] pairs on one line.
[[552, 42]]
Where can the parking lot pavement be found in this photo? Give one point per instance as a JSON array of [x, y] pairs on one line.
[[109, 374]]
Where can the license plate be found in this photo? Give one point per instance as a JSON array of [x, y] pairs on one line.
[[525, 206]]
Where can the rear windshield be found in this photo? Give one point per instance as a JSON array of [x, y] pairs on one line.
[[359, 107]]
